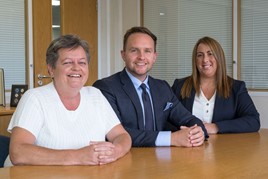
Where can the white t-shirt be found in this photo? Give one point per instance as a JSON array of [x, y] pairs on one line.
[[41, 112]]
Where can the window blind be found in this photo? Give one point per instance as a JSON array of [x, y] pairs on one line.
[[178, 24], [254, 43], [12, 43]]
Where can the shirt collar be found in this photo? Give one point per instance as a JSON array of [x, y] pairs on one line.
[[136, 82]]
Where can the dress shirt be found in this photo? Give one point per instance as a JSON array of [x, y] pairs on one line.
[[164, 137]]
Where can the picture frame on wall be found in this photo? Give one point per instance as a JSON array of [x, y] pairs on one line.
[[2, 88], [16, 93]]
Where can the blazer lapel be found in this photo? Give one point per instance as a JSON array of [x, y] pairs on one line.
[[130, 90], [188, 103], [218, 105]]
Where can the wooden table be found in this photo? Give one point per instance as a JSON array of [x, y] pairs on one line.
[[222, 156]]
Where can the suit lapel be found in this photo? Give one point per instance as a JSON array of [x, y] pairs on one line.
[[130, 90], [190, 101], [218, 105]]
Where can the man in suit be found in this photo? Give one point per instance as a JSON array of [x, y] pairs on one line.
[[123, 91]]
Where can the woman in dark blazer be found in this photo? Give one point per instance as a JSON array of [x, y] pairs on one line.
[[221, 102]]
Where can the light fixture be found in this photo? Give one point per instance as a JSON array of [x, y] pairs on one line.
[[55, 2]]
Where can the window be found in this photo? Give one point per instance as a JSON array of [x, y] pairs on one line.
[[254, 43], [178, 24], [12, 43]]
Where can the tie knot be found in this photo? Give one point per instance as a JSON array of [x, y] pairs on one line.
[[143, 87]]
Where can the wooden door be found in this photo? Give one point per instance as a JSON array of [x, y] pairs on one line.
[[80, 17], [77, 17], [42, 36]]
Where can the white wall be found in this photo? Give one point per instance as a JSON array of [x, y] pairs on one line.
[[115, 17], [261, 103]]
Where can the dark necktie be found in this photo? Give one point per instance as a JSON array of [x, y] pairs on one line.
[[149, 122]]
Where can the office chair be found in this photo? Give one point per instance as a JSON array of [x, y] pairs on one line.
[[4, 149]]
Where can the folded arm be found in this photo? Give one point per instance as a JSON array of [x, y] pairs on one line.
[[24, 151]]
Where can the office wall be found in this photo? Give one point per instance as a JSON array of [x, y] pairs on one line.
[[115, 17], [261, 102]]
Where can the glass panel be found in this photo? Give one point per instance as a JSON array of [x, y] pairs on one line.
[[178, 24], [254, 43], [12, 43], [56, 18]]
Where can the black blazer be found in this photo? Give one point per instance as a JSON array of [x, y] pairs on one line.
[[235, 114], [121, 93]]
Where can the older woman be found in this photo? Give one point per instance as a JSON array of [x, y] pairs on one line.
[[221, 102], [64, 123]]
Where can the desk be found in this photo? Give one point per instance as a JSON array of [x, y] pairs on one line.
[[5, 116], [222, 156]]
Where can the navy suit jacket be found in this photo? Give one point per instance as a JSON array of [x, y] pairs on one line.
[[122, 95], [236, 114]]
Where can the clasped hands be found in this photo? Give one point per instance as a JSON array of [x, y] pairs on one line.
[[99, 153], [188, 136]]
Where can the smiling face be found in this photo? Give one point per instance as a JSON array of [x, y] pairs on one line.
[[206, 62], [139, 55], [71, 71]]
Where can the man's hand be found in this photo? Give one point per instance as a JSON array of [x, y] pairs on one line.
[[188, 136]]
